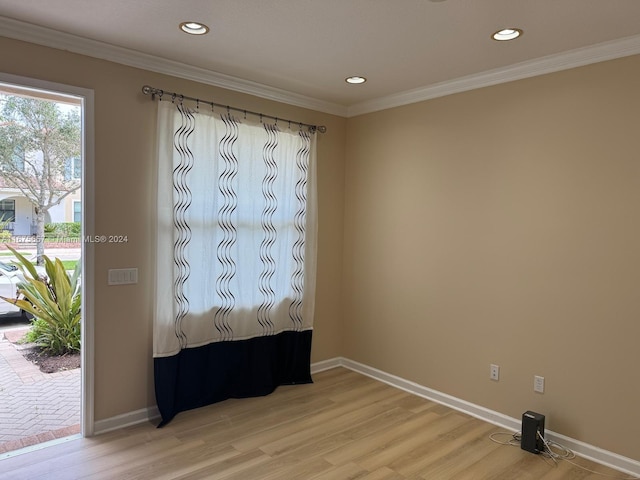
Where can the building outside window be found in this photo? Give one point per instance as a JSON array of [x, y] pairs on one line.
[[73, 168]]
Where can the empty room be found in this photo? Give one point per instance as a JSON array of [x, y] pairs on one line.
[[365, 239]]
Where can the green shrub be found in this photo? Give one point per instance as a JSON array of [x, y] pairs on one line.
[[5, 235], [54, 231], [58, 338], [70, 229], [37, 330], [55, 303]]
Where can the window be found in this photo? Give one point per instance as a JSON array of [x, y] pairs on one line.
[[73, 169], [77, 211], [249, 232], [8, 210]]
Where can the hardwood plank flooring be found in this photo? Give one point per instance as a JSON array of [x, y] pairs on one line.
[[344, 426]]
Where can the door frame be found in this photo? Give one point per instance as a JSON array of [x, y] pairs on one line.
[[86, 96]]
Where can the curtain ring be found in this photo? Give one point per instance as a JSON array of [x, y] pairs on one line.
[[197, 105], [173, 98], [245, 114], [160, 93]]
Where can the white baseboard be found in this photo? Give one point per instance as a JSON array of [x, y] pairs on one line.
[[152, 413], [599, 455], [126, 420], [326, 365], [585, 450]]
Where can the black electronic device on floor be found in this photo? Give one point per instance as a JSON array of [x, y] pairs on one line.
[[532, 432]]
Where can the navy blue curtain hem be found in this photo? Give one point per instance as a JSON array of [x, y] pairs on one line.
[[200, 376]]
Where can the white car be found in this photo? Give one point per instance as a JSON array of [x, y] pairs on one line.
[[10, 277]]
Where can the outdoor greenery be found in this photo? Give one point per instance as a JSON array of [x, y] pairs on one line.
[[70, 264], [62, 230], [55, 303], [38, 329], [67, 264]]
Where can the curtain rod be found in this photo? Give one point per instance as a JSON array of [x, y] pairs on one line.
[[147, 90]]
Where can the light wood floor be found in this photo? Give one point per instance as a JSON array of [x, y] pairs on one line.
[[344, 426]]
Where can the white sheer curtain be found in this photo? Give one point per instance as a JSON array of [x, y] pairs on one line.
[[236, 222]]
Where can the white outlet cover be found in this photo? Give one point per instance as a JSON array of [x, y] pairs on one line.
[[538, 384]]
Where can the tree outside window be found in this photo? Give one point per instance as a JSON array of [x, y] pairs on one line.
[[40, 153]]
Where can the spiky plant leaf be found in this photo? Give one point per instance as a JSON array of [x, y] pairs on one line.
[[55, 300]]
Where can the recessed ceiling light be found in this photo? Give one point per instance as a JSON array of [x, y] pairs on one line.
[[355, 79], [194, 28], [507, 34]]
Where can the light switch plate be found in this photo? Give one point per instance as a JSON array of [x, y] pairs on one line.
[[122, 276]]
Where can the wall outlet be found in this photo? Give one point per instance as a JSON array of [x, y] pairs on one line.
[[538, 384], [494, 372]]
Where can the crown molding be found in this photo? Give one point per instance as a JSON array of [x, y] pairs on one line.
[[553, 63], [65, 41]]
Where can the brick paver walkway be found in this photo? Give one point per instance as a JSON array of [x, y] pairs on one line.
[[35, 406]]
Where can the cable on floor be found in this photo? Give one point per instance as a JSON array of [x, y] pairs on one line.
[[553, 451]]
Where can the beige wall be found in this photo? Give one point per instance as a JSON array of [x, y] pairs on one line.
[[124, 199], [494, 226], [68, 205], [502, 226]]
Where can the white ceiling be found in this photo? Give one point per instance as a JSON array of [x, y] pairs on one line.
[[408, 49]]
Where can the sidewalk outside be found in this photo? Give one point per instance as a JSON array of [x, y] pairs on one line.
[[34, 407]]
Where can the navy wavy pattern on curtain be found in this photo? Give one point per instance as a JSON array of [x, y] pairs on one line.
[[297, 279], [229, 363], [269, 232], [183, 231], [228, 207]]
